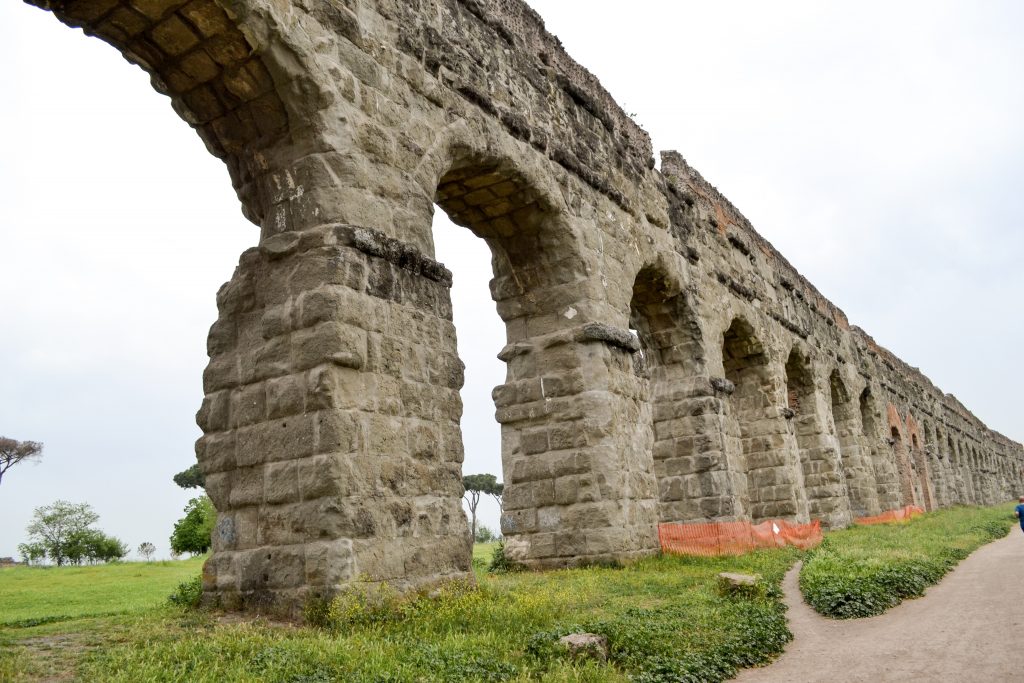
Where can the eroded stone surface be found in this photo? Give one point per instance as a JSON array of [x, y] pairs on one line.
[[331, 414]]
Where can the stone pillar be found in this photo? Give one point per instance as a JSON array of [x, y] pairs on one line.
[[775, 479], [579, 481], [856, 462], [331, 442], [823, 477], [697, 463]]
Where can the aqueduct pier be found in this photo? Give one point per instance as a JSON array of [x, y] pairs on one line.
[[331, 443]]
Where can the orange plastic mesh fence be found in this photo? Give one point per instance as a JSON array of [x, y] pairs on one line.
[[735, 538], [901, 515]]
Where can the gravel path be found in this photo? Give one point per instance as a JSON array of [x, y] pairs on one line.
[[969, 627]]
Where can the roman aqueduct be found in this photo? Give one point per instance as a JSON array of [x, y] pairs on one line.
[[331, 445]]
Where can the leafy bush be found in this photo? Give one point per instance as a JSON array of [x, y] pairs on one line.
[[188, 593], [192, 533], [863, 571], [500, 564]]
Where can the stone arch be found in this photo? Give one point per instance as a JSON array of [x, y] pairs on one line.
[[898, 441], [928, 472], [240, 91], [966, 471], [755, 432], [918, 466], [856, 459], [820, 462], [579, 480], [945, 484], [690, 464], [977, 467], [886, 475]]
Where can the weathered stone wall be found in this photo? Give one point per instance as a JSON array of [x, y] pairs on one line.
[[331, 420]]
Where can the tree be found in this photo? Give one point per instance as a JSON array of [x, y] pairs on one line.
[[107, 549], [13, 451], [484, 535], [147, 549], [192, 478], [496, 493], [32, 553], [477, 485], [193, 532], [92, 546], [63, 532]]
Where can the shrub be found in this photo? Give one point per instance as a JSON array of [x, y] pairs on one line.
[[864, 571], [500, 564], [192, 533], [188, 593]]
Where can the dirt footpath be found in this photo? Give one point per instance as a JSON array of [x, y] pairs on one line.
[[970, 627]]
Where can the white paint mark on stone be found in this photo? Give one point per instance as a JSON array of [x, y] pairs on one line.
[[570, 313]]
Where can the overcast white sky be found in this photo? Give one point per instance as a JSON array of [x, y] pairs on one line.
[[878, 145]]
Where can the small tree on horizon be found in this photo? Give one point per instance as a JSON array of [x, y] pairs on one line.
[[147, 550], [63, 533], [477, 485], [484, 535], [13, 452]]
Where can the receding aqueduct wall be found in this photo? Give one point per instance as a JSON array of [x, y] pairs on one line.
[[332, 446]]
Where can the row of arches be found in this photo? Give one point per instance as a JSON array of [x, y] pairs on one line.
[[773, 433]]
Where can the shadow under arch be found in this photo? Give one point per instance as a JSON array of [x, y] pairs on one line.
[[821, 464], [755, 431], [856, 459], [679, 422]]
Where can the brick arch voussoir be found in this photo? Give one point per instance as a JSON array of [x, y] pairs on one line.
[[504, 192], [199, 54]]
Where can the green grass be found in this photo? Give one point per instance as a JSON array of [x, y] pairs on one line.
[[664, 619], [863, 571], [30, 595], [482, 554]]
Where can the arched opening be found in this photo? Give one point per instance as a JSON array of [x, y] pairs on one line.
[[479, 339], [756, 432], [856, 458], [134, 226], [501, 211], [677, 422], [919, 468], [823, 477], [956, 476], [577, 472], [904, 466], [966, 472], [979, 478], [886, 479], [933, 482]]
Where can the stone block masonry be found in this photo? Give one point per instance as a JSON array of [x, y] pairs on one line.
[[332, 446]]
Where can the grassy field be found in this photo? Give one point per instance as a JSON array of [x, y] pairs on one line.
[[663, 617], [863, 571], [31, 595]]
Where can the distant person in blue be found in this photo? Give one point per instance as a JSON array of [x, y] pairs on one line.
[[1019, 513]]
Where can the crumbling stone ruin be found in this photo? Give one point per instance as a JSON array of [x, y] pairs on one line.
[[331, 440]]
